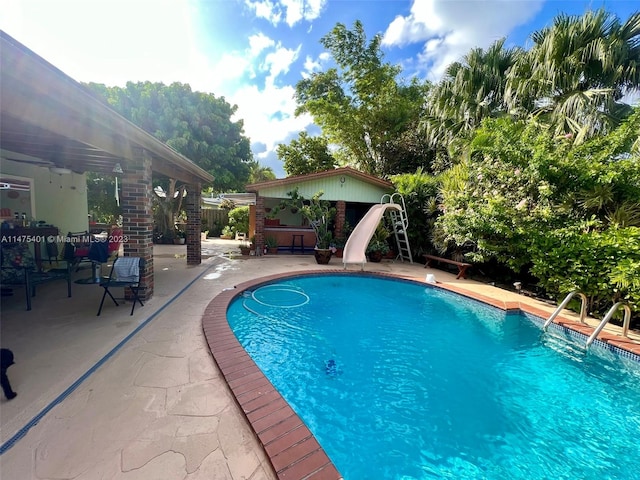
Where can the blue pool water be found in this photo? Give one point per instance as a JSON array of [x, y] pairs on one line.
[[401, 381]]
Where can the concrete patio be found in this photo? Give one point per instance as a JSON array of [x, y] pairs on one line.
[[152, 403]]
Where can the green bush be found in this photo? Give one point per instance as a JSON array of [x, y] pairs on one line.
[[604, 265], [239, 219], [419, 190]]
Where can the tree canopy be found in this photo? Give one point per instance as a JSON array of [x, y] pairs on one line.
[[306, 155], [197, 125], [363, 109], [260, 173], [471, 90], [571, 80], [577, 71]]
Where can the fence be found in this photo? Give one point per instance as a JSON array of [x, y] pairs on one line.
[[215, 220]]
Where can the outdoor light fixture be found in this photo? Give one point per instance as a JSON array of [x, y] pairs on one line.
[[117, 168]]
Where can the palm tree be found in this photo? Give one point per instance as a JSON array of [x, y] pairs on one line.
[[260, 173], [577, 71], [470, 91]]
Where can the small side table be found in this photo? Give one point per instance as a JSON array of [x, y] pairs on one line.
[[294, 241]]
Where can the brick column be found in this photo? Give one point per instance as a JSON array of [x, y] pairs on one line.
[[341, 208], [194, 223], [260, 213], [137, 215]]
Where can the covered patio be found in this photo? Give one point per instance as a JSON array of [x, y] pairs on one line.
[[53, 130]]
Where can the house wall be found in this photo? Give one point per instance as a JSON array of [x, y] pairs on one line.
[[339, 187], [60, 200]]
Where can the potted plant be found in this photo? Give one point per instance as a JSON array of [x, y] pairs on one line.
[[271, 243], [227, 233], [245, 248], [294, 203], [319, 214], [180, 238], [378, 246]]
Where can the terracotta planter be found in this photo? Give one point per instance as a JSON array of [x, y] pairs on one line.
[[272, 250], [322, 255], [339, 252]]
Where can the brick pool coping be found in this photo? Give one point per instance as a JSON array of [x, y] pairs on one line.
[[292, 449]]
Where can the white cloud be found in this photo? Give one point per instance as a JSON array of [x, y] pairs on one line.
[[280, 60], [258, 43], [450, 30], [298, 10], [294, 10], [265, 9], [258, 108], [313, 9], [311, 65]]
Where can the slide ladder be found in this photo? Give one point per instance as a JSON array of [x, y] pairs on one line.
[[355, 248], [399, 224]]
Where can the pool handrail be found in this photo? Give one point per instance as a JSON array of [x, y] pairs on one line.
[[608, 316], [583, 308]]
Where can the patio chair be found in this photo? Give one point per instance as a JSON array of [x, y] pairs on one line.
[[19, 268], [125, 272]]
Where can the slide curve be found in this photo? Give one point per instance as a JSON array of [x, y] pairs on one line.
[[356, 246]]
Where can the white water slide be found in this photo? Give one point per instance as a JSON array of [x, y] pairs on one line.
[[354, 249]]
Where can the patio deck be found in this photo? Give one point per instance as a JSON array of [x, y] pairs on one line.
[[158, 407]]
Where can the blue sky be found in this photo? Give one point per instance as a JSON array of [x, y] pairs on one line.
[[254, 52]]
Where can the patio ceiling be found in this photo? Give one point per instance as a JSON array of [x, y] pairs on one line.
[[50, 120]]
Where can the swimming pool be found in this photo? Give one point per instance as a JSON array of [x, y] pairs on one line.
[[402, 381]]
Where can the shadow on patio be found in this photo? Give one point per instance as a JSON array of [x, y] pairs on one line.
[[61, 338]]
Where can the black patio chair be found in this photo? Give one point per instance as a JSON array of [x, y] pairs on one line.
[[125, 272]]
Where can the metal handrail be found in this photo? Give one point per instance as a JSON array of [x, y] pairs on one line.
[[607, 317], [565, 302], [389, 198]]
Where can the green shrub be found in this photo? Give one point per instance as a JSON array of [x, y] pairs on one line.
[[239, 219], [604, 265]]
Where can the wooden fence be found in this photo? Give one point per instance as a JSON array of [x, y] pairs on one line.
[[214, 220]]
